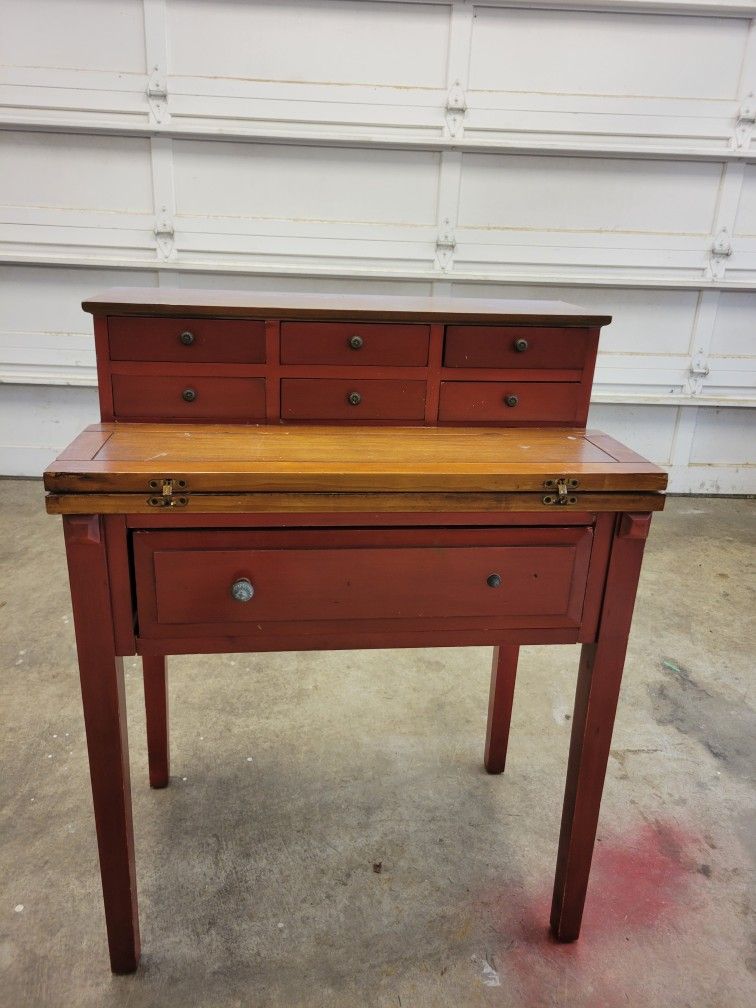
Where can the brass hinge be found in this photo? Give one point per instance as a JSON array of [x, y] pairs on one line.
[[562, 485], [166, 498]]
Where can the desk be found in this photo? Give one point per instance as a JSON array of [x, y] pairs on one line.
[[308, 472]]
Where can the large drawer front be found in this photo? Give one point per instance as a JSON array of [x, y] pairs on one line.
[[186, 397], [354, 399], [510, 402], [188, 340], [358, 344], [516, 347], [504, 577]]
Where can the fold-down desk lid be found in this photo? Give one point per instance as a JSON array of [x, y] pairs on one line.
[[179, 460]]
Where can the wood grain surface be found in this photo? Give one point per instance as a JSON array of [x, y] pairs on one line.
[[221, 458], [384, 308]]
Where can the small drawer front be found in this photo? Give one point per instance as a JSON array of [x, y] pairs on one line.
[[182, 397], [354, 399], [358, 344], [510, 402], [188, 340], [237, 579], [516, 347]]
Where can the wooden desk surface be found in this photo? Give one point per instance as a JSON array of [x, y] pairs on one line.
[[123, 458]]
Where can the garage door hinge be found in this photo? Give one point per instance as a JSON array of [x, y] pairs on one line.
[[721, 250], [699, 369], [456, 106], [157, 96], [744, 124], [164, 234], [445, 244]]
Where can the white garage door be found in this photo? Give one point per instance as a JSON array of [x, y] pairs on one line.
[[601, 155]]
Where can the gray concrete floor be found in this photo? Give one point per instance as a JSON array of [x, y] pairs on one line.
[[294, 773]]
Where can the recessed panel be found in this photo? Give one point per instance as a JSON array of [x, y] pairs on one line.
[[600, 53], [287, 184], [327, 42], [570, 196], [76, 172]]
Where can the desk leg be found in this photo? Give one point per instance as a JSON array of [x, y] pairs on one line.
[[598, 686], [156, 709], [102, 691], [503, 675]]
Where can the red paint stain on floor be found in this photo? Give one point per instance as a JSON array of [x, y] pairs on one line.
[[639, 880], [639, 883]]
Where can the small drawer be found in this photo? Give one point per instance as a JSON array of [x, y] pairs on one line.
[[354, 399], [180, 397], [510, 402], [228, 582], [188, 340], [354, 343], [517, 347]]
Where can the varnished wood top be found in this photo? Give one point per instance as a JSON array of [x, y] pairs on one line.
[[124, 457], [255, 304]]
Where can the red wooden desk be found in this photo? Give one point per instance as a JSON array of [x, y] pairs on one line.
[[290, 473]]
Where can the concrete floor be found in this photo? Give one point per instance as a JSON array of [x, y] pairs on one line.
[[294, 773]]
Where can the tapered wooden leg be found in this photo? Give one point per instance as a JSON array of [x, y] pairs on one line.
[[598, 688], [156, 707], [503, 675], [102, 690]]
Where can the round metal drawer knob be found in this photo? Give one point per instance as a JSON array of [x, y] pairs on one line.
[[242, 590], [356, 342], [511, 400], [189, 395], [521, 345], [186, 337], [493, 580], [354, 398]]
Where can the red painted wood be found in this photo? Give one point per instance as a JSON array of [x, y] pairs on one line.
[[586, 383], [384, 344], [193, 586], [511, 374], [494, 347], [484, 402], [190, 369], [599, 678], [360, 519], [369, 373], [150, 397], [501, 696], [104, 388], [156, 709], [102, 691], [448, 628], [157, 339], [433, 387], [119, 571], [327, 399], [355, 636], [402, 579], [273, 376], [603, 532]]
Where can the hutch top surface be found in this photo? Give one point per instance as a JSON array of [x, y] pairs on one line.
[[266, 304]]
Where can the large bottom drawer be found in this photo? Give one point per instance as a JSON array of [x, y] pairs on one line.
[[195, 583]]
